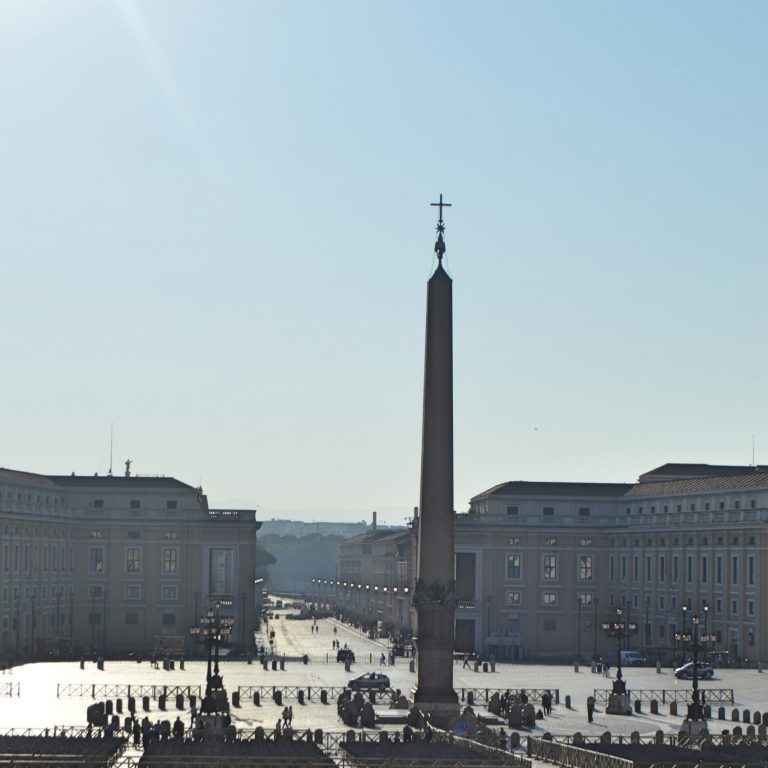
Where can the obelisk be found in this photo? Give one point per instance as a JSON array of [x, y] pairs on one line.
[[435, 594]]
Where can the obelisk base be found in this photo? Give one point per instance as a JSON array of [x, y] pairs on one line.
[[694, 728], [441, 713]]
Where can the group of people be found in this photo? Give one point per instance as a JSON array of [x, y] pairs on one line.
[[387, 658], [144, 730], [285, 720]]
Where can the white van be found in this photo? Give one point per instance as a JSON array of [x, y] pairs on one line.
[[631, 659]]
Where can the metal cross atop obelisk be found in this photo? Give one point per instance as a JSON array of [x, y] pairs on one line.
[[440, 244]]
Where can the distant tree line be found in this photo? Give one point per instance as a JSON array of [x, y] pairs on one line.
[[298, 560]]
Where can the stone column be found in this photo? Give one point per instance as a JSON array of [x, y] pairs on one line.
[[434, 596]]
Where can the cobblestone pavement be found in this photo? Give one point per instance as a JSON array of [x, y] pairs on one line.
[[38, 706]]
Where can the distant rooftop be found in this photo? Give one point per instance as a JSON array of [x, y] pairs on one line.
[[754, 480], [526, 488], [673, 471], [120, 481]]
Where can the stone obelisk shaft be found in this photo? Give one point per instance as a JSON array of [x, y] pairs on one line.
[[435, 593]]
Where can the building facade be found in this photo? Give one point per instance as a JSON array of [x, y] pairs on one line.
[[118, 564], [540, 566]]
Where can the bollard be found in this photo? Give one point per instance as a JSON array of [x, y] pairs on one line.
[[575, 666], [264, 663], [119, 706], [721, 713], [82, 663], [746, 716], [759, 666], [235, 698], [470, 698], [282, 664], [412, 665], [372, 697], [735, 715], [485, 666], [131, 704], [305, 658], [161, 701], [594, 667], [673, 708], [765, 718], [658, 667], [638, 706], [568, 701], [493, 665], [654, 707], [751, 731], [179, 701], [256, 699], [477, 666], [274, 665], [301, 697], [277, 697], [108, 707], [192, 701], [757, 718], [145, 703], [323, 696], [181, 664], [707, 712]]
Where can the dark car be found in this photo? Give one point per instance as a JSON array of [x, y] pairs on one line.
[[703, 671], [345, 654], [373, 681]]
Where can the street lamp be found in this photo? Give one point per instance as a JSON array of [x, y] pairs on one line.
[[619, 629], [579, 601], [594, 649], [215, 628], [697, 643]]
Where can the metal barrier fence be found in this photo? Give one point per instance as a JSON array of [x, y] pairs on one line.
[[484, 694], [10, 689], [123, 691], [665, 695], [574, 757]]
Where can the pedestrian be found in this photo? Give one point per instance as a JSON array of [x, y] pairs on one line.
[[285, 716], [466, 661], [382, 659], [502, 739], [136, 733], [192, 715], [178, 728], [290, 716], [278, 728], [590, 708]]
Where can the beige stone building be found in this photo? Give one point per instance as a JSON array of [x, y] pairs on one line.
[[118, 564], [540, 566]]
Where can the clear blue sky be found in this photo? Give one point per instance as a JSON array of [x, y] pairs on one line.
[[216, 233]]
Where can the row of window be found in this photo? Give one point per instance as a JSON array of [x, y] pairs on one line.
[[689, 563], [28, 557], [169, 560], [550, 567], [693, 508], [134, 592], [672, 604], [136, 504], [548, 511], [548, 599]]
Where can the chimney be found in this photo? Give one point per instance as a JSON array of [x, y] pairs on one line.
[[373, 522]]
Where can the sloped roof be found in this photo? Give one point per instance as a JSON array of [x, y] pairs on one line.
[[672, 471], [119, 481], [526, 488], [754, 480]]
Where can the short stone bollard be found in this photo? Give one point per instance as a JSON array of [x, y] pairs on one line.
[[721, 713], [514, 740], [605, 737], [761, 730], [323, 696], [756, 718], [235, 698], [470, 698], [658, 737], [737, 731], [577, 739], [638, 706], [384, 737], [256, 699], [759, 666], [654, 707], [131, 704], [493, 666], [576, 666], [82, 663], [568, 701], [282, 664], [161, 702], [412, 665], [765, 718], [735, 715], [301, 696], [264, 663], [318, 735], [277, 697], [725, 738], [751, 730], [145, 703], [181, 664], [658, 667], [707, 711], [634, 737], [192, 701], [594, 667], [179, 701], [673, 708], [108, 707], [746, 716], [119, 706], [477, 666], [274, 665]]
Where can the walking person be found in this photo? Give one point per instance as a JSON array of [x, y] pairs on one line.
[[590, 708]]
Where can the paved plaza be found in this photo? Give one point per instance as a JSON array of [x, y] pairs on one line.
[[37, 706]]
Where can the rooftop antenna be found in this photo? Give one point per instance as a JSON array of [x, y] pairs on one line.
[[111, 436], [753, 449]]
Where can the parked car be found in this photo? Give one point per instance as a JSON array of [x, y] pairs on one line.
[[704, 671], [632, 659], [373, 681], [345, 654]]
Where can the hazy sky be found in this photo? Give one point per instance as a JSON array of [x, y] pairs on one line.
[[216, 234]]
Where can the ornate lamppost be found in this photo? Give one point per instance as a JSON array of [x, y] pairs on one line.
[[695, 721], [215, 628], [618, 700]]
